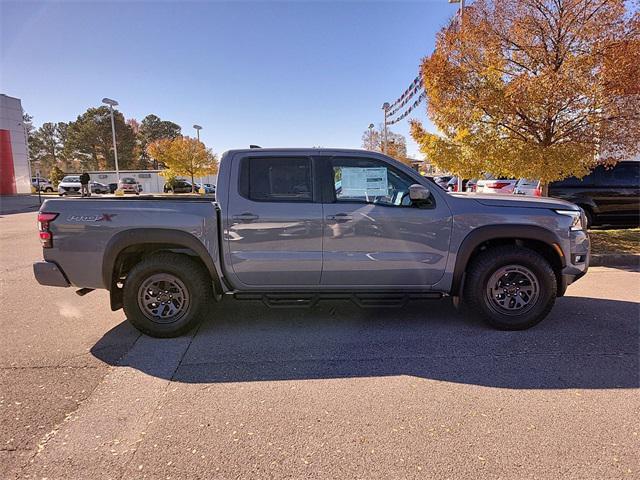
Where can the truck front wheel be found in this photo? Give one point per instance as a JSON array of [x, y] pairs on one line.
[[511, 287], [166, 294]]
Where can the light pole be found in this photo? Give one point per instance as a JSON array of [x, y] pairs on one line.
[[198, 128], [460, 13], [113, 103], [371, 143], [385, 107]]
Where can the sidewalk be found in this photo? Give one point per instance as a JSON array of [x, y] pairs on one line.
[[10, 204]]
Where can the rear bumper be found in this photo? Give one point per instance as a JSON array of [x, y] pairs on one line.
[[50, 274]]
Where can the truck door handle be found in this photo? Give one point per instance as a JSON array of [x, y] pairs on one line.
[[340, 217], [245, 217]]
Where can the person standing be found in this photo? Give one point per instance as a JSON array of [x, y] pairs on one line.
[[84, 184]]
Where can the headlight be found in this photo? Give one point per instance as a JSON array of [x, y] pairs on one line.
[[577, 222]]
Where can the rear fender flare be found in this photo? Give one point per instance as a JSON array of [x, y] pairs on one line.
[[137, 236]]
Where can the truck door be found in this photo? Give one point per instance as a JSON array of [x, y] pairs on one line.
[[618, 196], [274, 222], [373, 235]]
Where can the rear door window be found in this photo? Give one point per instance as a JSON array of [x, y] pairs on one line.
[[278, 179]]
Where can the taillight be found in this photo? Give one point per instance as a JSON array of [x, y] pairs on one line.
[[497, 185], [537, 192], [46, 237]]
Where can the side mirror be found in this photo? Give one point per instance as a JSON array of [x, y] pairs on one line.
[[419, 193]]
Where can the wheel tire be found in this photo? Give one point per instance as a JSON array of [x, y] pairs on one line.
[[487, 264], [192, 281], [48, 190]]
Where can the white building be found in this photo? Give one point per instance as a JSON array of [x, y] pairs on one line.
[[15, 173], [151, 180]]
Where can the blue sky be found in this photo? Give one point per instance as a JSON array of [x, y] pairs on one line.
[[272, 73]]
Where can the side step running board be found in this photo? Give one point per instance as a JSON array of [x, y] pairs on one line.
[[364, 300]]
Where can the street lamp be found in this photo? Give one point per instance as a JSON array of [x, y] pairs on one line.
[[385, 107], [371, 143], [198, 128], [113, 103]]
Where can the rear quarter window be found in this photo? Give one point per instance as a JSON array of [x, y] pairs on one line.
[[587, 181], [624, 174]]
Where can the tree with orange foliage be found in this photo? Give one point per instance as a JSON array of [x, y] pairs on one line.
[[184, 156], [540, 89], [395, 146]]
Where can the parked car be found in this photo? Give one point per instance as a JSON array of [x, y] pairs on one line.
[[97, 187], [608, 195], [178, 186], [301, 225], [209, 188], [442, 181], [70, 185], [527, 187], [471, 185], [452, 185], [42, 184], [129, 185], [496, 185]]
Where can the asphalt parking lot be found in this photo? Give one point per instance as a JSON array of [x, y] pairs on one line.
[[331, 392]]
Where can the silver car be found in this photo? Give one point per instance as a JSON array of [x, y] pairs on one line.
[[528, 187]]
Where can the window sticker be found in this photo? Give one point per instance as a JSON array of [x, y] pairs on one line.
[[364, 182]]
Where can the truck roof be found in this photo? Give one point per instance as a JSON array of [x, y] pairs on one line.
[[299, 150]]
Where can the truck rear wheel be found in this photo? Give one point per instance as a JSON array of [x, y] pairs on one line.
[[512, 288], [166, 294]]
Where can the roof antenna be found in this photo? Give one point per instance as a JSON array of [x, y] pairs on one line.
[[255, 146]]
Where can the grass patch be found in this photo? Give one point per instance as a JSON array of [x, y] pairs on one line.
[[615, 241]]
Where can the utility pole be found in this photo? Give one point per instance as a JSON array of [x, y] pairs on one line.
[[460, 13], [113, 103], [385, 107]]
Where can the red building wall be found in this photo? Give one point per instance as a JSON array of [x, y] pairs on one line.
[[7, 172]]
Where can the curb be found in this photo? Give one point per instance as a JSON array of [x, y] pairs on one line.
[[614, 260]]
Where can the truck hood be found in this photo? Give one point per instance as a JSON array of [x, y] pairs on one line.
[[517, 201]]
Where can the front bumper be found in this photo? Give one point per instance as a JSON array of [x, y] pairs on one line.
[[577, 262], [50, 274]]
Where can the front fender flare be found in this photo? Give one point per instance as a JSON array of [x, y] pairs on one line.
[[481, 235]]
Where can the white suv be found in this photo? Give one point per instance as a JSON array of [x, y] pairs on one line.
[[70, 185]]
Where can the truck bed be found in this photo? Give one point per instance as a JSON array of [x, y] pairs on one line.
[[87, 229]]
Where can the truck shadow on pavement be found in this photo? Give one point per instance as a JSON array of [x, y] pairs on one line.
[[584, 343]]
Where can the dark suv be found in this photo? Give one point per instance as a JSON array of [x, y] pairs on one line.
[[608, 195], [178, 186]]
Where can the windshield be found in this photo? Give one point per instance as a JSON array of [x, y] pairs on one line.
[[523, 182], [128, 180], [71, 179]]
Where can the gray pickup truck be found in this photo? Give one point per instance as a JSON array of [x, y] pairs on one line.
[[291, 226]]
